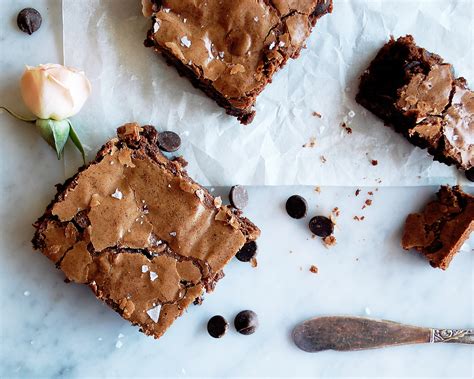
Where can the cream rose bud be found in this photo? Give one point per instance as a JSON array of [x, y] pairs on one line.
[[52, 91], [147, 8]]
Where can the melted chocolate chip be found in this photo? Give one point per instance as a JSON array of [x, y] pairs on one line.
[[169, 141], [296, 206], [29, 20], [217, 326], [238, 197], [321, 226], [470, 174], [247, 252], [246, 322]]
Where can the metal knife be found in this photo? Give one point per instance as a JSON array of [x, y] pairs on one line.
[[360, 333]]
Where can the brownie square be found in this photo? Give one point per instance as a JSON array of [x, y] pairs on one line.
[[439, 231], [135, 228], [231, 49], [417, 93]]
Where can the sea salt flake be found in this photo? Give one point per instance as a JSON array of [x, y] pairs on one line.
[[166, 10], [153, 276], [200, 194], [272, 45], [173, 234], [119, 344], [117, 194], [120, 335], [156, 27], [26, 293], [144, 268], [154, 313], [255, 18], [351, 114], [185, 41], [221, 54], [281, 44], [367, 311]]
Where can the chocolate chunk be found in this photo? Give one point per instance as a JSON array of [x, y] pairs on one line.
[[217, 326], [296, 206], [239, 197], [246, 322], [169, 141], [29, 20], [470, 174], [247, 252], [321, 226]]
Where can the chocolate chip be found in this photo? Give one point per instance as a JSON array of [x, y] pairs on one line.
[[321, 226], [296, 206], [322, 8], [238, 197], [247, 252], [169, 141], [470, 174], [29, 20], [246, 322], [217, 326]]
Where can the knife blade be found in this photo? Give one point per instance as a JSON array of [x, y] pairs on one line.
[[358, 333]]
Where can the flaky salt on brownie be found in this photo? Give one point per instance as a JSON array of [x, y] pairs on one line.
[[231, 49], [145, 237], [417, 93], [439, 231]]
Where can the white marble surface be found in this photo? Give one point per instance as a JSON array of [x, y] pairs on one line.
[[60, 329], [52, 329]]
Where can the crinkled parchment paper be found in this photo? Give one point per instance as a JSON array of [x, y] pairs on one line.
[[131, 83]]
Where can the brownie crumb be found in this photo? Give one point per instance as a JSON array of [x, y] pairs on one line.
[[370, 193], [253, 262], [314, 269], [317, 114], [374, 162], [317, 189], [346, 128], [198, 300], [329, 241], [368, 202], [311, 143], [359, 218]]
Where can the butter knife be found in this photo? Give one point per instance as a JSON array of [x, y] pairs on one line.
[[360, 333]]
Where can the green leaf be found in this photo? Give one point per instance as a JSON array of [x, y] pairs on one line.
[[55, 133], [75, 139]]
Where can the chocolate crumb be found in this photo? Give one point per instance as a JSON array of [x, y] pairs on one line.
[[374, 162], [357, 192], [368, 202], [317, 189], [317, 114], [370, 193], [314, 269], [322, 158]]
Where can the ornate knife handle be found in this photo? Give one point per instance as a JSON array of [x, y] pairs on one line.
[[452, 336]]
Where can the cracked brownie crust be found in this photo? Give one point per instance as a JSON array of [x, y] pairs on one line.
[[145, 237], [231, 49], [416, 93], [439, 231]]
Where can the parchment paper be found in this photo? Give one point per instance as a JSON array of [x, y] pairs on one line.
[[131, 83]]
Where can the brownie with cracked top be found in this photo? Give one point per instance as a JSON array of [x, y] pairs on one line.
[[417, 93], [135, 228], [439, 231], [231, 49]]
